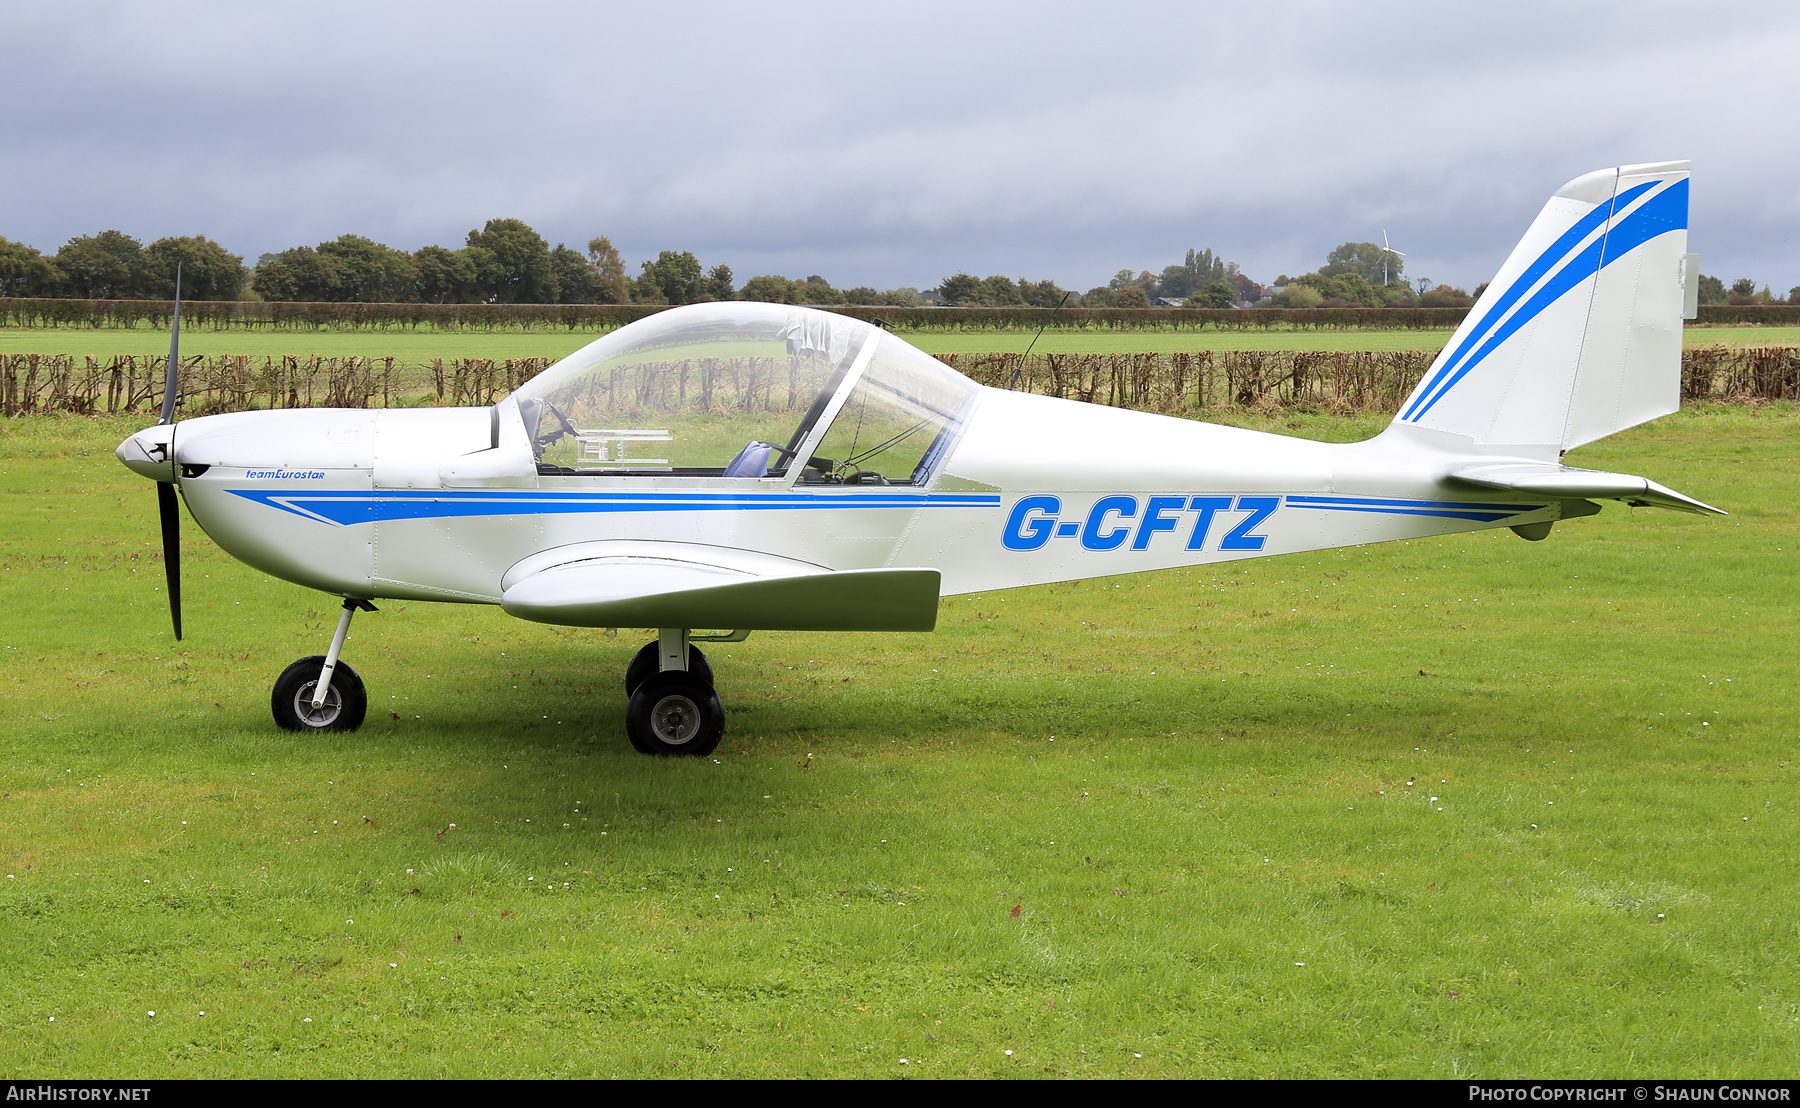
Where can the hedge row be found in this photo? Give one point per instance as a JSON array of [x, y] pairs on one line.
[[1341, 381], [42, 383], [221, 315]]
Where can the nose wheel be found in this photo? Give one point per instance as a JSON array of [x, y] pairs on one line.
[[321, 693], [346, 701], [673, 708]]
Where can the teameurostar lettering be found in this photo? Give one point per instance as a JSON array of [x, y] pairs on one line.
[[1114, 522], [285, 474]]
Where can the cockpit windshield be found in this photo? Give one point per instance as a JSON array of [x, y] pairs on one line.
[[741, 389], [896, 422]]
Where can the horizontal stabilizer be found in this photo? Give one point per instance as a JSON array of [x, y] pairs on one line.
[[1546, 479], [637, 591]]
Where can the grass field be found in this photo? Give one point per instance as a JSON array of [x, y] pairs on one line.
[[422, 346], [1470, 807]]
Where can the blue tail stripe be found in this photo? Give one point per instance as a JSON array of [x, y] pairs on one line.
[[1665, 212], [1583, 266], [1557, 251], [1544, 262]]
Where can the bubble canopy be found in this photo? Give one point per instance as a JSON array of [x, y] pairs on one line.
[[747, 390]]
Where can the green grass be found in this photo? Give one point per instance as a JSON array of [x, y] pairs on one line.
[[1096, 824], [414, 347], [1741, 336]]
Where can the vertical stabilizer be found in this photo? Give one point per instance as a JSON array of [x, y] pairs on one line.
[[1579, 335]]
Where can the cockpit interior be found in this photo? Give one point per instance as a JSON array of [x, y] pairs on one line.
[[747, 390]]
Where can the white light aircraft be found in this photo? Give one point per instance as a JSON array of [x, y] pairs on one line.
[[820, 474]]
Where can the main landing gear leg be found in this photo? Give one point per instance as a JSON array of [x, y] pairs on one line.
[[673, 709], [322, 693]]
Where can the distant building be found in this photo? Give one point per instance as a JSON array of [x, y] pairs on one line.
[[932, 296], [1171, 301]]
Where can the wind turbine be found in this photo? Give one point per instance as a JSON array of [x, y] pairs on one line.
[[1386, 251]]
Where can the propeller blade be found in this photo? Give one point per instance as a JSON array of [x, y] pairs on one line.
[[168, 405], [171, 535]]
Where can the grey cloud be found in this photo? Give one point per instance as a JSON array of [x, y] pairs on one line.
[[892, 146]]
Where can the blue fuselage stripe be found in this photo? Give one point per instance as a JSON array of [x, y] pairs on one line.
[[349, 507], [1479, 511]]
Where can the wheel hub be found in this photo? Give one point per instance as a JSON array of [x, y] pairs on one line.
[[676, 719], [323, 716]]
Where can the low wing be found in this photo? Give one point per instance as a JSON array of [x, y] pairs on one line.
[[1546, 479], [648, 584]]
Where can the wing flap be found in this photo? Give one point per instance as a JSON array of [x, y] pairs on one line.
[[660, 592], [1546, 479]]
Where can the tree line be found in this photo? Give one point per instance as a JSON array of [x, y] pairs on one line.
[[507, 262], [1355, 275], [1743, 292], [503, 262], [114, 266]]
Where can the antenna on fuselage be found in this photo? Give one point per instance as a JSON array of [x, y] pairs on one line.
[[1020, 368]]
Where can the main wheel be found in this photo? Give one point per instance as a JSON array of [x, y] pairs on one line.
[[346, 702], [644, 662], [673, 713]]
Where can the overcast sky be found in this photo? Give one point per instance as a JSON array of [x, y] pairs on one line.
[[894, 144]]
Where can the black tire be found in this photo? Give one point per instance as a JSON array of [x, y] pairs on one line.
[[643, 665], [346, 702], [672, 713]]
